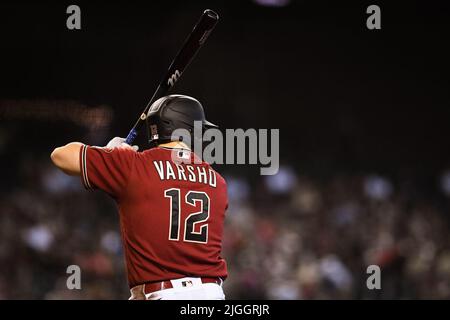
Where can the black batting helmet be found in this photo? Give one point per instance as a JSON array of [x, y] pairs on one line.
[[174, 112]]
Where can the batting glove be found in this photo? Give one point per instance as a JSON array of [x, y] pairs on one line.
[[118, 142]]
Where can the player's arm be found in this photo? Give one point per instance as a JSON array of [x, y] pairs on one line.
[[67, 158]]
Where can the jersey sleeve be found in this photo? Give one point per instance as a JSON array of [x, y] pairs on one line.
[[106, 169]]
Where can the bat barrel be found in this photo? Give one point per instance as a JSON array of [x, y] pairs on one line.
[[211, 14]]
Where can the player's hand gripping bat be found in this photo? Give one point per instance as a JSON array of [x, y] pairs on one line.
[[191, 46]]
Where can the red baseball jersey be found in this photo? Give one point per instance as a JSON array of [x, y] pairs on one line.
[[171, 210]]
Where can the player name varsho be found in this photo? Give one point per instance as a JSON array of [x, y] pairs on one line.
[[182, 172]]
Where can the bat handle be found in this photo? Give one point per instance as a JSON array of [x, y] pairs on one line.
[[131, 136]]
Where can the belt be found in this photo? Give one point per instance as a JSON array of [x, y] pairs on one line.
[[161, 285]]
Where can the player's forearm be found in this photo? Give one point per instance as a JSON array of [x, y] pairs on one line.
[[67, 158]]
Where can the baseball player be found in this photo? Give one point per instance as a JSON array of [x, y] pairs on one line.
[[171, 207]]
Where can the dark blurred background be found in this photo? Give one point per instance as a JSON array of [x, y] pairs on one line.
[[364, 126]]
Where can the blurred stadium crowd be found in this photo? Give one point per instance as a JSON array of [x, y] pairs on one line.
[[349, 99], [287, 237]]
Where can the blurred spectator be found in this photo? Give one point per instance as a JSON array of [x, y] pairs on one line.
[[445, 183], [282, 182]]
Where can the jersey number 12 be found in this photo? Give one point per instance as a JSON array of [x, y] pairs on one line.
[[191, 198]]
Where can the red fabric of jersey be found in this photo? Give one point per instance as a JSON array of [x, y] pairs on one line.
[[171, 212]]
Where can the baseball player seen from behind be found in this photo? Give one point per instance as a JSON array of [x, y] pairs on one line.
[[171, 207]]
